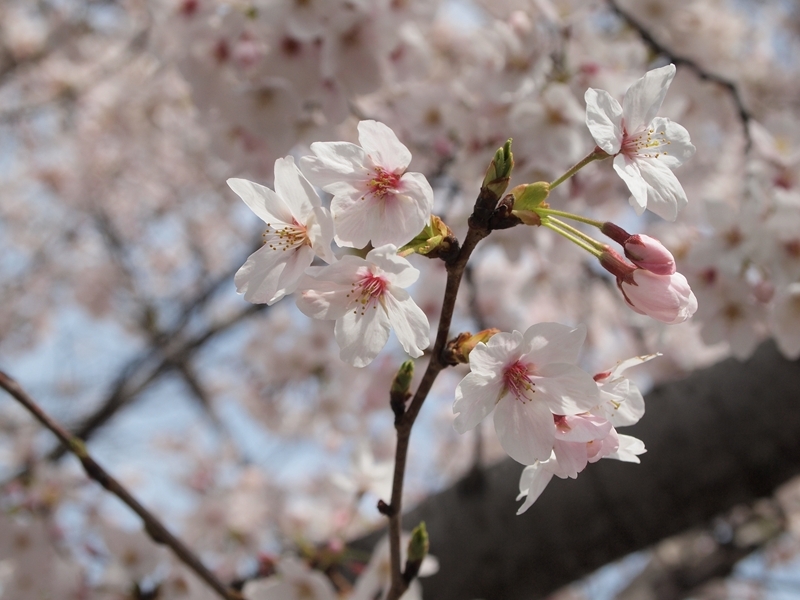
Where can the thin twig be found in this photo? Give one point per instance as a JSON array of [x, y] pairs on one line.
[[677, 59], [157, 531], [480, 225]]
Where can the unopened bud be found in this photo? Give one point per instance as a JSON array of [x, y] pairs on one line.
[[402, 381], [458, 349], [499, 172], [419, 544], [650, 254]]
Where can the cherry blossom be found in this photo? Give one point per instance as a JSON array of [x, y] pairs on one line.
[[645, 147], [586, 438], [374, 198], [298, 229], [621, 402], [367, 298], [526, 379]]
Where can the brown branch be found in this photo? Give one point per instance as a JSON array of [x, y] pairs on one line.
[[480, 225], [152, 525], [677, 59]]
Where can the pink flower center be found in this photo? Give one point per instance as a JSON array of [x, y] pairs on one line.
[[517, 379], [648, 143], [368, 291], [561, 423], [383, 183], [287, 237]]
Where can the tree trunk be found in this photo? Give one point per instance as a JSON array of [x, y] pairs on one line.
[[726, 435]]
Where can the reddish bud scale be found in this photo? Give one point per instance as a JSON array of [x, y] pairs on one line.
[[612, 262], [615, 232]]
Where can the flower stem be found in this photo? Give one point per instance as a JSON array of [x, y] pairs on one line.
[[596, 154], [556, 226], [567, 215], [578, 233]]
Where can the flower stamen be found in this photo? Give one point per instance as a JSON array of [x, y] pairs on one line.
[[286, 238], [383, 183], [517, 379], [367, 291]]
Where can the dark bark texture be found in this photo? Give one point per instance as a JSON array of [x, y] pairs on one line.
[[723, 436]]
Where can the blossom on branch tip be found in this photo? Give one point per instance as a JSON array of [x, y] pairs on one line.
[[367, 298], [525, 379], [298, 229], [374, 198], [645, 147]]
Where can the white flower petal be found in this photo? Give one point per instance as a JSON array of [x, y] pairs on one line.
[[567, 389], [396, 219], [680, 149], [322, 299], [383, 147], [351, 220], [531, 485], [525, 429], [476, 397], [489, 361], [622, 402], [645, 97], [628, 170], [628, 363], [268, 206], [399, 270], [665, 195], [294, 189], [604, 119], [572, 458], [333, 163], [258, 278], [553, 343], [582, 428], [417, 187], [362, 333], [629, 449], [319, 229], [296, 263], [408, 321]]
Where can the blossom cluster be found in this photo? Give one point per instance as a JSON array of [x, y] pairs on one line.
[[549, 414], [375, 201]]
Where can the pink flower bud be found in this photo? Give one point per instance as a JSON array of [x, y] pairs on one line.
[[666, 298], [650, 254]]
